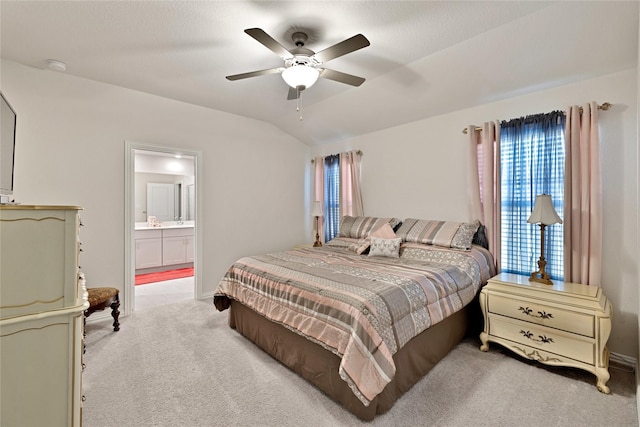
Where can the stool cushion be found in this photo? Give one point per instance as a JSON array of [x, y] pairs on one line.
[[100, 295]]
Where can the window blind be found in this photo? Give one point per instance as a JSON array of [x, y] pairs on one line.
[[532, 162]]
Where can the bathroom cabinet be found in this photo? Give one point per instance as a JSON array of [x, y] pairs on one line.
[[177, 246], [160, 247]]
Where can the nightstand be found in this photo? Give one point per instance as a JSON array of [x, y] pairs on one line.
[[565, 324]]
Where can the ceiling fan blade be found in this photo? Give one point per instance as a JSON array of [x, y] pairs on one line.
[[341, 77], [293, 94], [346, 46], [269, 42], [254, 74]]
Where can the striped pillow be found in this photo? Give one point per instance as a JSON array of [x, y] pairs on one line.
[[447, 234], [359, 227]]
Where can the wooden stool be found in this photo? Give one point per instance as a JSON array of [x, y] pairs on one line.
[[101, 298]]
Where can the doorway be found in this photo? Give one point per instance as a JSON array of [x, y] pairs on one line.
[[161, 215]]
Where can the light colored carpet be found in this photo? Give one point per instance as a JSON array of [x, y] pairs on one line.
[[181, 365], [163, 293]]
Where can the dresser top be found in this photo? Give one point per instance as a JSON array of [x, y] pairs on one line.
[[38, 207], [575, 289]]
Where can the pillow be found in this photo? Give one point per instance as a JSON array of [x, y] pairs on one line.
[[448, 234], [395, 223], [359, 227], [385, 231], [360, 246], [463, 239], [405, 227], [480, 237], [385, 247], [439, 233], [340, 242]]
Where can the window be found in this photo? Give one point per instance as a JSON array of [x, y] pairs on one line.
[[532, 157], [331, 196]]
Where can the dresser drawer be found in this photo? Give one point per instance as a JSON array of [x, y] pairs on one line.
[[541, 314], [546, 339]]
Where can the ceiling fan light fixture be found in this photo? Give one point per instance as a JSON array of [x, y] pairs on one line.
[[300, 75]]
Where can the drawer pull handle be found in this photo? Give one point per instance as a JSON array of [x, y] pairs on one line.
[[542, 339], [541, 314]]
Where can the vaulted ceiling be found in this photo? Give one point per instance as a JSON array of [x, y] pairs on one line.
[[426, 57]]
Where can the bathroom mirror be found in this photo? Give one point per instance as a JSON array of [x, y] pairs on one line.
[[164, 201], [164, 187]]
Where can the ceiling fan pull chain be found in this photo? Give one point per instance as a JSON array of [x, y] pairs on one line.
[[298, 102]]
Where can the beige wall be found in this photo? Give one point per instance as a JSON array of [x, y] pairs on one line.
[[418, 169], [70, 150]]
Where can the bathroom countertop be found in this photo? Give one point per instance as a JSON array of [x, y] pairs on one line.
[[163, 226]]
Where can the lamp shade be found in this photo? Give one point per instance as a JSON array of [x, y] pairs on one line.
[[543, 211], [317, 209], [300, 75]]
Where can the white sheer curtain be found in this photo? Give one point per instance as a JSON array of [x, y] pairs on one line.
[[483, 187], [350, 193], [582, 197]]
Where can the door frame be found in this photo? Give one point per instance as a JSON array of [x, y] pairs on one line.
[[129, 218]]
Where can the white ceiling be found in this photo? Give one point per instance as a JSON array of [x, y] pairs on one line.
[[426, 57]]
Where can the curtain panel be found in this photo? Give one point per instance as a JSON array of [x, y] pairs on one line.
[[318, 164], [483, 159], [350, 194], [583, 197]]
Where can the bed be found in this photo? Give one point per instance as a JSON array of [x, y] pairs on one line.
[[367, 315]]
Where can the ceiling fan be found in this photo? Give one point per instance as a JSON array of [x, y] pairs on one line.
[[302, 66]]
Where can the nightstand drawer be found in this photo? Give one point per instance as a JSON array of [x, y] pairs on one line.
[[542, 314], [542, 338]]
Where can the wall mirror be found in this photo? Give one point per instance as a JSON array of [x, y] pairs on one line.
[[164, 187]]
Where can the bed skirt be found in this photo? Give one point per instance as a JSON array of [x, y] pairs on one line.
[[320, 367]]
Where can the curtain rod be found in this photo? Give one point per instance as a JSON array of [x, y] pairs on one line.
[[605, 106], [358, 152]]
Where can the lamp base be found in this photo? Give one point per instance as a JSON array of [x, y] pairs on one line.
[[541, 276], [536, 277], [317, 243]]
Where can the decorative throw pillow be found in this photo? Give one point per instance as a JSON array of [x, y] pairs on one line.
[[340, 243], [463, 238], [385, 232], [385, 247], [360, 246]]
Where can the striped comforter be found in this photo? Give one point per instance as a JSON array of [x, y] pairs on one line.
[[361, 308]]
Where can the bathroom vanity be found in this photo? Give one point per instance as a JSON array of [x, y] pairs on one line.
[[166, 246]]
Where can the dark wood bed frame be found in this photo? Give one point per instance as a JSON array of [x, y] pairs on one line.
[[320, 367]]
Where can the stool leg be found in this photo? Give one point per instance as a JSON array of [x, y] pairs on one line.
[[115, 313]]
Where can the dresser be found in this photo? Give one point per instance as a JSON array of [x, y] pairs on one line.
[[566, 324], [42, 301]]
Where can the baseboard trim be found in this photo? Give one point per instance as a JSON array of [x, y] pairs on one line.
[[621, 359], [206, 295], [99, 316]]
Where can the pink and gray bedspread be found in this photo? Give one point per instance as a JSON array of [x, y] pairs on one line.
[[362, 308]]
